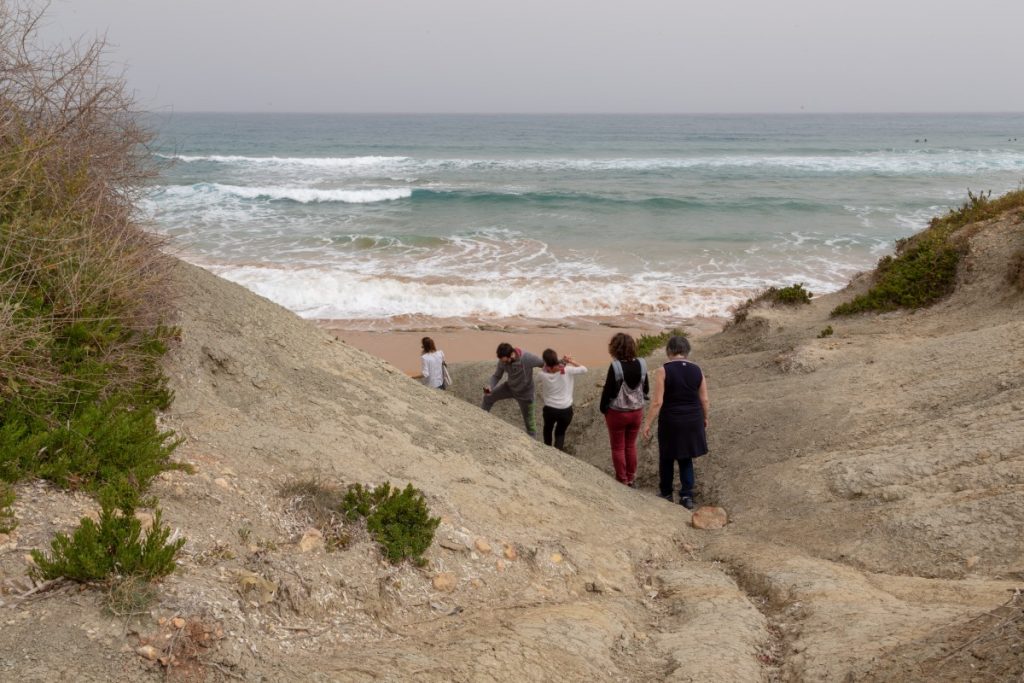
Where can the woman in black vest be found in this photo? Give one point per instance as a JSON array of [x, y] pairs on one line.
[[681, 404]]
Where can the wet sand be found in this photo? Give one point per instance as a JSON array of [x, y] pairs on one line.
[[588, 345]]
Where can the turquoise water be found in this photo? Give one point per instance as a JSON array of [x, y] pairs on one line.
[[407, 219]]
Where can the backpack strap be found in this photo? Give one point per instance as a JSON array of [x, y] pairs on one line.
[[643, 369], [617, 369]]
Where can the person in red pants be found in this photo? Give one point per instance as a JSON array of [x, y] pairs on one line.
[[622, 403]]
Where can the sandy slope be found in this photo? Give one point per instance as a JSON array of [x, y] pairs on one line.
[[875, 481]]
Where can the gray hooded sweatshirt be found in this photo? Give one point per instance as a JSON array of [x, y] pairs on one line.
[[520, 374]]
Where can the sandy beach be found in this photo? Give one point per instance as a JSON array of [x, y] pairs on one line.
[[587, 344]]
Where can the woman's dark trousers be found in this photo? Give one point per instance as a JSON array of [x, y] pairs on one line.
[[666, 470], [556, 420]]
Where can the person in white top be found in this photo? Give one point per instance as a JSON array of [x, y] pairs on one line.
[[432, 365], [556, 384]]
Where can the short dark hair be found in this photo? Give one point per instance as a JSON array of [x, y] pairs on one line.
[[677, 345], [505, 350], [550, 358], [428, 345], [622, 347]]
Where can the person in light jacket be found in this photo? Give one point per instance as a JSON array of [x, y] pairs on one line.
[[557, 380], [432, 364]]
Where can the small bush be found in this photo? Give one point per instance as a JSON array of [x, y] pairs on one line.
[[399, 520], [112, 548], [924, 269], [790, 296], [7, 520], [649, 343], [787, 296], [740, 313], [826, 332], [105, 446]]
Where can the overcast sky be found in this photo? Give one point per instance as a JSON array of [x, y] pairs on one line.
[[560, 55]]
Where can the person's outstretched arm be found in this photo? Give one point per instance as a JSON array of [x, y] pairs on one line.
[[499, 372], [574, 367], [659, 398], [705, 404]]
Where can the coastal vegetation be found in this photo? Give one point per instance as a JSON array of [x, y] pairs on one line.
[[791, 295], [649, 343], [924, 268], [398, 519], [84, 299], [7, 520], [113, 547]]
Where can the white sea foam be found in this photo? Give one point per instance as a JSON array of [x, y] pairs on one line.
[[522, 278], [320, 293], [910, 162], [315, 162], [303, 195]]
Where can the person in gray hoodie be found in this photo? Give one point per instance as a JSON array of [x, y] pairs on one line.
[[517, 366]]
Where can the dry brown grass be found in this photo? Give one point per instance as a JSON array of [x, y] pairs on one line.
[[319, 504], [73, 160]]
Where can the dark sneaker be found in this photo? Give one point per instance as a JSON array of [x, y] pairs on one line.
[[687, 502], [631, 484]]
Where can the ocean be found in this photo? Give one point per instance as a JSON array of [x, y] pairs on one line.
[[419, 221]]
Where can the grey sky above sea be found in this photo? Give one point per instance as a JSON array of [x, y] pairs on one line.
[[571, 56]]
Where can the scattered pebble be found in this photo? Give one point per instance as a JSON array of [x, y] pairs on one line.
[[312, 539], [709, 517], [445, 581], [148, 652]]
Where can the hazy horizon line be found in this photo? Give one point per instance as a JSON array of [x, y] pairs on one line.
[[587, 113]]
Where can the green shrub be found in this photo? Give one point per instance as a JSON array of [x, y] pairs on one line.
[[105, 446], [825, 332], [924, 268], [7, 520], [740, 312], [649, 343], [112, 548], [84, 290], [788, 296], [791, 295], [399, 520]]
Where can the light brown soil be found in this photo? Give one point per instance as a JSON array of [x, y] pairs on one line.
[[874, 481]]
